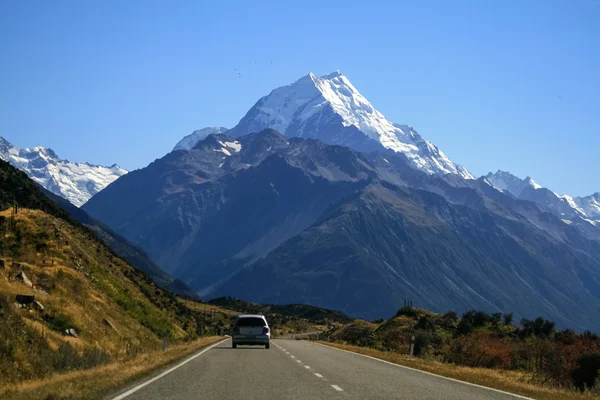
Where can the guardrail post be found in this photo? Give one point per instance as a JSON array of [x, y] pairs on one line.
[[412, 346]]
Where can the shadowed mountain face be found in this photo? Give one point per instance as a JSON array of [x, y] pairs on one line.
[[271, 219], [228, 202]]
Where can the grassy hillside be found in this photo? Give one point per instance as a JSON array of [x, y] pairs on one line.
[[116, 311]]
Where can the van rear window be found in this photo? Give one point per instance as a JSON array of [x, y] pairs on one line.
[[251, 322]]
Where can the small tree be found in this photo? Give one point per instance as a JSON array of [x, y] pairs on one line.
[[480, 318], [464, 327], [425, 323], [508, 319], [495, 319]]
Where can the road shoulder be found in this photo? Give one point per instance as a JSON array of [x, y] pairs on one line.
[[108, 380], [509, 382]]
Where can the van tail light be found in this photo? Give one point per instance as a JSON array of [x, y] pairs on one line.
[[265, 330]]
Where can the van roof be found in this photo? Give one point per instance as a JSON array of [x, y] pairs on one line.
[[251, 316]]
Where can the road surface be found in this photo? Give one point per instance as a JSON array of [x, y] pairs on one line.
[[298, 370]]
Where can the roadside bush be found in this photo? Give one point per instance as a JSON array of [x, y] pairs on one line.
[[464, 327], [480, 350], [426, 342], [426, 323], [394, 340], [450, 319], [586, 372], [407, 311]]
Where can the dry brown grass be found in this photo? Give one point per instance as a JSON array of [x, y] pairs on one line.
[[207, 308], [510, 381], [97, 382]]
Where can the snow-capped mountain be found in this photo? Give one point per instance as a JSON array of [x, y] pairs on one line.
[[506, 181], [191, 140], [329, 108], [566, 207], [76, 182]]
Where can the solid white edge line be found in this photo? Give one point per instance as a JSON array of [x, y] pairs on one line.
[[149, 381], [427, 373], [336, 387]]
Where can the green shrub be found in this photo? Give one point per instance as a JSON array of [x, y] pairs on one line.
[[60, 323]]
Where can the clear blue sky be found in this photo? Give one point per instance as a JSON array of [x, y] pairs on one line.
[[511, 85]]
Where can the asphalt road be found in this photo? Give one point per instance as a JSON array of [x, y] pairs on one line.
[[299, 370]]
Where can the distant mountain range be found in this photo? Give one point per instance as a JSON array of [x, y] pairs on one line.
[[76, 182], [582, 211]]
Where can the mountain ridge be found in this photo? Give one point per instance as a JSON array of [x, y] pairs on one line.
[[76, 182], [571, 209]]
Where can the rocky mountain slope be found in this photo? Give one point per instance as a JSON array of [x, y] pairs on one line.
[[274, 219], [76, 182]]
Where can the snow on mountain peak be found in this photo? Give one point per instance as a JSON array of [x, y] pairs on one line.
[[191, 140], [508, 182], [587, 207], [77, 182], [532, 183], [331, 109]]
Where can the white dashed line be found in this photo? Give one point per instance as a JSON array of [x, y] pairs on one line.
[[307, 367], [298, 361], [293, 356], [135, 389], [336, 387], [318, 375]]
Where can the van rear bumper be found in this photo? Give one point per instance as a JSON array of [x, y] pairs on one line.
[[250, 340]]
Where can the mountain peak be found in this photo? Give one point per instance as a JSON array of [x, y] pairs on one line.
[[504, 180], [329, 108], [334, 74]]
